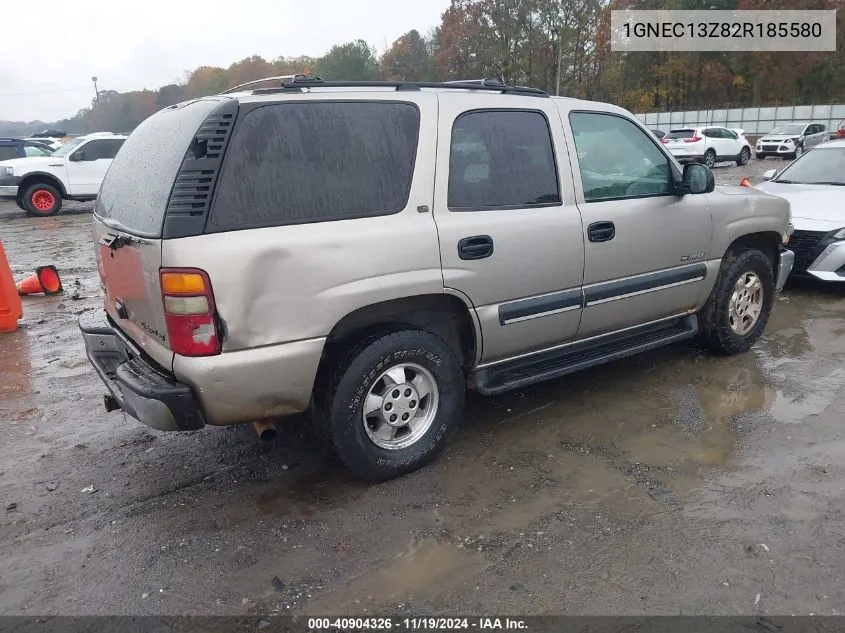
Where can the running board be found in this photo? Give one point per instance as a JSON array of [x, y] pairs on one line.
[[578, 356]]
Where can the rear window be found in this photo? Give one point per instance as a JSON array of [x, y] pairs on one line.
[[293, 163], [680, 134], [137, 186]]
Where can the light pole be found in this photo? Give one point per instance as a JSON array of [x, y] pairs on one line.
[[96, 92]]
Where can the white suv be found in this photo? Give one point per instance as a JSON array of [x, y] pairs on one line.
[[708, 145], [38, 184]]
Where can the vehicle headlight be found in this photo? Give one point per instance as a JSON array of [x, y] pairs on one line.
[[789, 141], [6, 171]]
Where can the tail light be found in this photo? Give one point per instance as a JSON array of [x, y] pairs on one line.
[[694, 139], [189, 312], [665, 141]]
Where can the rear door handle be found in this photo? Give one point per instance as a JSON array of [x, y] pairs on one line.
[[601, 231], [475, 247]]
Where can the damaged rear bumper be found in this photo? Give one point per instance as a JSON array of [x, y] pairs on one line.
[[138, 386]]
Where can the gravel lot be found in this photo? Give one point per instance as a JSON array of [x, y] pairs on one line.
[[673, 482]]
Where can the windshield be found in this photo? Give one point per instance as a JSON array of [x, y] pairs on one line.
[[788, 129], [68, 147], [821, 166]]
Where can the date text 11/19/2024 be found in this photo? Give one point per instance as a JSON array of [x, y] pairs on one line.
[[415, 624]]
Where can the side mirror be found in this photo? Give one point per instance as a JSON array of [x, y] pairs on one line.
[[77, 156], [698, 179], [768, 175]]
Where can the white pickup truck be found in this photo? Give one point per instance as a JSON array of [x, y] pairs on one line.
[[75, 171]]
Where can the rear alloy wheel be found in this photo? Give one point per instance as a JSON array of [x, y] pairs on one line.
[[740, 304], [42, 200], [710, 158], [392, 403], [744, 155]]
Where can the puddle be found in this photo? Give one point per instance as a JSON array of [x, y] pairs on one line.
[[422, 572]]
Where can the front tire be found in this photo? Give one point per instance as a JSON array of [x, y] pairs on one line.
[[744, 155], [799, 151], [735, 315], [42, 200], [392, 403]]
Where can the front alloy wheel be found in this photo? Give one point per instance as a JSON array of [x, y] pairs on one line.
[[746, 303]]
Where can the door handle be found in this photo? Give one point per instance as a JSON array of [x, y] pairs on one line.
[[601, 231], [475, 247]]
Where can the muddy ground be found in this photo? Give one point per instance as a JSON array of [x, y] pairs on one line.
[[673, 482]]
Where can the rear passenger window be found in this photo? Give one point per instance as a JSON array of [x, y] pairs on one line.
[[294, 163], [501, 159], [8, 152]]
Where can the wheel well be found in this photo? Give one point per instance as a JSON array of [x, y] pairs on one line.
[[46, 179], [442, 314], [767, 242]]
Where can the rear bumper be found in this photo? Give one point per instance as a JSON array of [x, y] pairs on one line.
[[139, 387]]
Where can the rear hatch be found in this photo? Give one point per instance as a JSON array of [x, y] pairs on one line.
[[129, 216]]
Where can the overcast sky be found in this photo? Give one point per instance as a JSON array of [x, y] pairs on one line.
[[52, 48]]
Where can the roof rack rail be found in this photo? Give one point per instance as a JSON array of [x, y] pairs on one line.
[[297, 83], [283, 78]]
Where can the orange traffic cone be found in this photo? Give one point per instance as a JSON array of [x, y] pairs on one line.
[[45, 281], [10, 303]]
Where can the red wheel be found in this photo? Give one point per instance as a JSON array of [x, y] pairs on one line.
[[42, 200]]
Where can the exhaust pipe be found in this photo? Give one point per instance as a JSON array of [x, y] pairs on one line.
[[265, 429]]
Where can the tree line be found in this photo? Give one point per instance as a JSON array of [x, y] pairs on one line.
[[561, 46]]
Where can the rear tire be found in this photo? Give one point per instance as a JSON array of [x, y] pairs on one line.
[[42, 200], [743, 157], [760, 156], [710, 158], [735, 315], [427, 376]]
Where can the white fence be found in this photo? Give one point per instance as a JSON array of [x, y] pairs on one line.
[[752, 120]]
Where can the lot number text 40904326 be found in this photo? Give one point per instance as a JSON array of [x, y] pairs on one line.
[[416, 624]]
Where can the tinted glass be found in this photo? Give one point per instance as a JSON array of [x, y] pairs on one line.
[[501, 159], [8, 152], [294, 163], [137, 186], [680, 134], [617, 158], [34, 150], [103, 148]]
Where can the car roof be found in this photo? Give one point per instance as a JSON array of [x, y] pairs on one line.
[[480, 91]]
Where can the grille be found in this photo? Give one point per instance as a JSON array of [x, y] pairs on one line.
[[770, 148], [804, 244]]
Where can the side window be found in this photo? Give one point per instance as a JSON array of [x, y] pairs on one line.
[[102, 148], [501, 159], [32, 150], [7, 152], [820, 128], [293, 163], [708, 132], [726, 133], [617, 159]]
